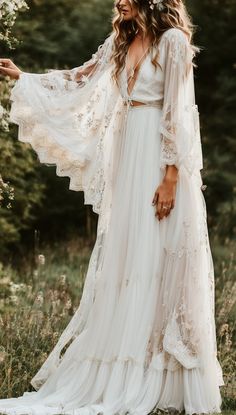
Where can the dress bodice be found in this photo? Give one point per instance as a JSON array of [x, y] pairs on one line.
[[149, 84], [170, 86]]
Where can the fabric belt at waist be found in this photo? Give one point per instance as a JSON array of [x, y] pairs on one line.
[[133, 103], [129, 104]]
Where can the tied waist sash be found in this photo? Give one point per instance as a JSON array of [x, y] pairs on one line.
[[129, 103]]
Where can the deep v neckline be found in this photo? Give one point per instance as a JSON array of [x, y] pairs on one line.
[[143, 60]]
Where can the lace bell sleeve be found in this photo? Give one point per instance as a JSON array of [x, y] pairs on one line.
[[180, 132], [61, 113]]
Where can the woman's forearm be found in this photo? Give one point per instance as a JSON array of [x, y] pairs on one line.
[[171, 173]]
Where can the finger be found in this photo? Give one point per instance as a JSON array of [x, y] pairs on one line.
[[165, 209], [169, 207], [5, 63], [164, 214], [161, 216], [159, 207], [155, 199], [167, 213], [5, 60], [6, 71], [165, 206]]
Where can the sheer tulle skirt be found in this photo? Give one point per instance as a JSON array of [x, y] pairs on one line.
[[133, 353]]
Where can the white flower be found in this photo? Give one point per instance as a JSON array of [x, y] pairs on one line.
[[41, 259], [3, 354], [10, 7], [63, 279], [1, 111], [14, 288], [14, 299], [156, 3], [39, 299], [68, 304]]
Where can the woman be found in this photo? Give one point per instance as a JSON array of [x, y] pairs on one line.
[[125, 128]]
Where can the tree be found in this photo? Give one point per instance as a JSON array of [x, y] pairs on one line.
[[216, 96], [18, 168]]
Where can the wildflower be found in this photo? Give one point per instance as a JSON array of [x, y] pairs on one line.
[[55, 305], [1, 111], [39, 299], [63, 279], [2, 354], [14, 287], [5, 281], [68, 304], [224, 329], [14, 299], [36, 317], [41, 259]]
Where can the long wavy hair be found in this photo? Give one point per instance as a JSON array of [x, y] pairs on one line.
[[152, 23]]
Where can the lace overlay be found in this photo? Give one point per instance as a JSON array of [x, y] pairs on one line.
[[181, 143], [51, 107]]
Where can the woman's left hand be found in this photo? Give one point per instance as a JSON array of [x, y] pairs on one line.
[[164, 198]]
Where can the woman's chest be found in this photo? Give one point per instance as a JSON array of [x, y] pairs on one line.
[[148, 84]]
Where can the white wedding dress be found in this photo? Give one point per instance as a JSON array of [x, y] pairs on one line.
[[144, 334]]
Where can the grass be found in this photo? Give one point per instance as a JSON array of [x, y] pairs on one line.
[[38, 301]]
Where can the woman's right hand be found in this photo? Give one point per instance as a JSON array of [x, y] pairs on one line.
[[8, 68]]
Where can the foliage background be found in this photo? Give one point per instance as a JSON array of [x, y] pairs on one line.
[[47, 217], [63, 34]]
